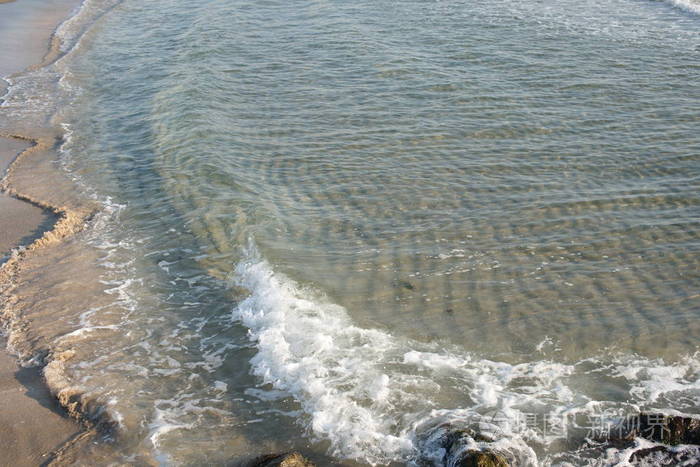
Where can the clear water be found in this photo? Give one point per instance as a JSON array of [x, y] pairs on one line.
[[332, 226]]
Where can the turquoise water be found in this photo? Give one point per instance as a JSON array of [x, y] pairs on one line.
[[333, 226]]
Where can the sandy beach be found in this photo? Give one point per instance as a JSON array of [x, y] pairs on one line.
[[32, 424]]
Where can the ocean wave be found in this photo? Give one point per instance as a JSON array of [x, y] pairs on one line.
[[688, 5], [377, 397]]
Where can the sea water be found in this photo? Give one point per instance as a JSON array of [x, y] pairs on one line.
[[339, 226]]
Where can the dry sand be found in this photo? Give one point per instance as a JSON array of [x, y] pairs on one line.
[[32, 424]]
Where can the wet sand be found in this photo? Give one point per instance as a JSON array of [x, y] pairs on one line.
[[32, 424], [26, 29], [20, 222]]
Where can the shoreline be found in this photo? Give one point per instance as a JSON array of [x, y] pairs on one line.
[[34, 426]]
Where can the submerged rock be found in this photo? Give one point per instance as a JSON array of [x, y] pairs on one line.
[[666, 429], [680, 438], [673, 429], [664, 456], [289, 459], [403, 284], [475, 458], [466, 447]]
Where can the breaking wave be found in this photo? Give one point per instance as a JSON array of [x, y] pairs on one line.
[[379, 398], [689, 5]]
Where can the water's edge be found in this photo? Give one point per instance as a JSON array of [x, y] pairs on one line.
[[27, 179]]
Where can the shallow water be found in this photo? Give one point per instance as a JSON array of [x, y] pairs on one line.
[[334, 226]]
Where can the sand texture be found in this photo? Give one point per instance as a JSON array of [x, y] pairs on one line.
[[34, 428]]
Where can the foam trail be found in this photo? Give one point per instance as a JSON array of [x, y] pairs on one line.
[[654, 381]]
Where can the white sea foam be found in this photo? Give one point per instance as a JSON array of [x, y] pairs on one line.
[[160, 425], [377, 397], [651, 380], [312, 350], [371, 394], [692, 6]]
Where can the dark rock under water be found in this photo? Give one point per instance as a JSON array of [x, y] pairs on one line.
[[289, 459], [459, 452]]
